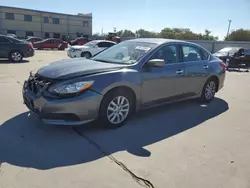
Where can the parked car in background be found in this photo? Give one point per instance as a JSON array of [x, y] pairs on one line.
[[15, 50], [112, 36], [234, 56], [34, 39], [12, 35], [89, 49], [110, 87], [79, 41], [51, 43]]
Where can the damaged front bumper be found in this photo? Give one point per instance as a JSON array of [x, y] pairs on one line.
[[61, 111]]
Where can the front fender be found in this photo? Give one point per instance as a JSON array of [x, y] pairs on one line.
[[104, 82]]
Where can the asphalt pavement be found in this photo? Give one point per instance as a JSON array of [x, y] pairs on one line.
[[184, 145]]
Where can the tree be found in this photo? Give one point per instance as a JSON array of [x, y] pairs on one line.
[[207, 36], [146, 34], [125, 33], [179, 33], [186, 34], [239, 35]]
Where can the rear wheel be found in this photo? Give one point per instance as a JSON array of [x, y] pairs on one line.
[[209, 90], [116, 108], [61, 47], [86, 55], [15, 56]]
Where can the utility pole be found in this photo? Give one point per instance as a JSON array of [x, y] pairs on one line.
[[229, 25]]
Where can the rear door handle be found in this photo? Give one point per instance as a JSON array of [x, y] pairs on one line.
[[179, 72], [205, 66]]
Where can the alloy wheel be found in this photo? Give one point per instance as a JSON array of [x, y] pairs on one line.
[[16, 56], [118, 110], [210, 90]]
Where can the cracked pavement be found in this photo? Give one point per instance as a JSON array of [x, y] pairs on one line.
[[180, 145]]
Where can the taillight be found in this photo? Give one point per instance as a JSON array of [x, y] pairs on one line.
[[223, 65], [30, 45]]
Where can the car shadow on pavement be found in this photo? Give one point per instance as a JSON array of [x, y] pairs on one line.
[[6, 61], [26, 142]]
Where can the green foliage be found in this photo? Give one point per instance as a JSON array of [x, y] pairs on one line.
[[186, 34], [239, 35], [125, 33], [170, 33], [146, 34]]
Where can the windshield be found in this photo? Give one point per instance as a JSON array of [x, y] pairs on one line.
[[229, 49], [90, 44], [125, 53]]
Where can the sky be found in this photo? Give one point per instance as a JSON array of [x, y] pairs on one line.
[[152, 15]]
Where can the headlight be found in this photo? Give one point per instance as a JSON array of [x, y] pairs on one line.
[[73, 87]]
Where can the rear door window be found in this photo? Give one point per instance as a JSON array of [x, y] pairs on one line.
[[58, 41], [191, 53]]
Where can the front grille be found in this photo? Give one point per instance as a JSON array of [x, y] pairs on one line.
[[30, 104], [38, 84]]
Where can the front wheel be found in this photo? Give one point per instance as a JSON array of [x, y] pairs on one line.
[[15, 56], [115, 109], [87, 55], [208, 91]]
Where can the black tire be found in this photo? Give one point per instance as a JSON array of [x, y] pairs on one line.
[[15, 56], [211, 85], [104, 111], [61, 47], [87, 55]]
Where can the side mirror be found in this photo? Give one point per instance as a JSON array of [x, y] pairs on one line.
[[156, 63]]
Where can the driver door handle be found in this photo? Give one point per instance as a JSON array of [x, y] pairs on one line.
[[205, 66], [179, 71]]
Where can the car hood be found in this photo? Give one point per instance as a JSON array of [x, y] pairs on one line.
[[70, 68]]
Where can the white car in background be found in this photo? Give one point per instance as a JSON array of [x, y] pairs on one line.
[[89, 49]]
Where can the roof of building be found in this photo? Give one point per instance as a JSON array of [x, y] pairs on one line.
[[88, 15]]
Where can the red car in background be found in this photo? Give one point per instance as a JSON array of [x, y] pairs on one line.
[[79, 41], [52, 43]]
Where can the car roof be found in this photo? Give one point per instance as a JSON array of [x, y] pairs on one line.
[[6, 36], [34, 37], [160, 41], [103, 41], [52, 39]]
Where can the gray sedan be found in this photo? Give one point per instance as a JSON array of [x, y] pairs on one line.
[[132, 75]]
